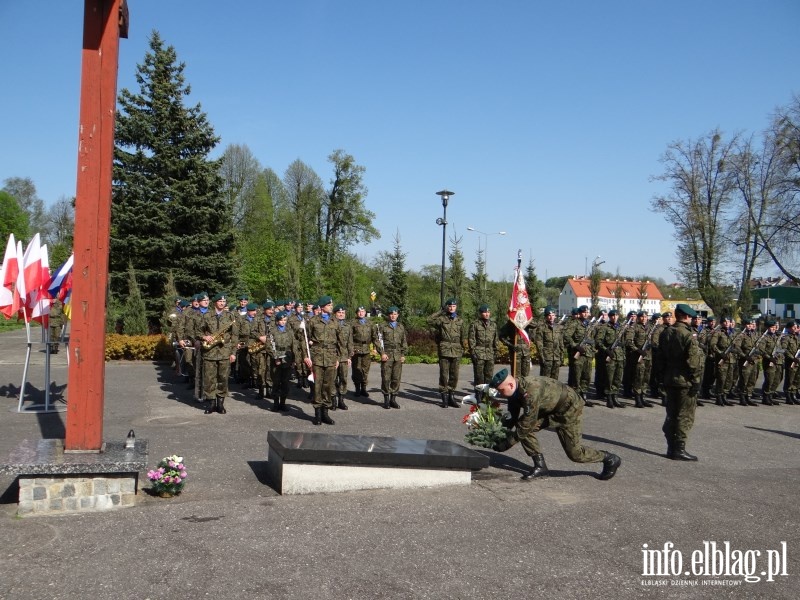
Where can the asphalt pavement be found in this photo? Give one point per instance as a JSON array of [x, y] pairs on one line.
[[230, 535]]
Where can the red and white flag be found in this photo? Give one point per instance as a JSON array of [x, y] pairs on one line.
[[8, 279], [40, 299], [519, 309], [32, 264], [19, 288]]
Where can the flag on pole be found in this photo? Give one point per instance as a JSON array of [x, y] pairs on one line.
[[8, 279], [519, 308], [61, 281], [39, 299], [32, 264], [19, 288]]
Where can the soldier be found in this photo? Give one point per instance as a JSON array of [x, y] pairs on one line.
[[579, 342], [628, 373], [390, 341], [747, 355], [681, 362], [191, 333], [792, 357], [722, 348], [549, 342], [295, 320], [704, 340], [600, 375], [536, 402], [246, 326], [346, 345], [656, 376], [323, 344], [637, 352], [282, 349], [610, 346], [698, 331], [519, 349], [241, 310], [771, 362], [449, 334], [362, 336], [482, 341], [218, 332], [56, 322]]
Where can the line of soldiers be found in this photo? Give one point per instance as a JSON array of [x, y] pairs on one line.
[[264, 346]]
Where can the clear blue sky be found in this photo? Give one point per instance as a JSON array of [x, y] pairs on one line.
[[547, 120]]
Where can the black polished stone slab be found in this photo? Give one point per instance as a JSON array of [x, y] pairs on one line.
[[47, 457], [337, 449]]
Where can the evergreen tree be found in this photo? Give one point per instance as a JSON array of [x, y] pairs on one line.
[[168, 302], [134, 320], [397, 285], [456, 283], [534, 286], [168, 210], [478, 287]]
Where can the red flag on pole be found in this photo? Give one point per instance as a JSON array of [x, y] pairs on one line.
[[519, 308]]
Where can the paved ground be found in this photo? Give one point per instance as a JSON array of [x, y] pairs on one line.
[[230, 535]]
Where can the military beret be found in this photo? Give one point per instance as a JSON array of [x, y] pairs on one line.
[[641, 313], [685, 309], [612, 312], [499, 378], [243, 297], [281, 314], [361, 308], [657, 315], [392, 309], [789, 324], [184, 304], [219, 296], [583, 308], [483, 308], [324, 301], [711, 318], [339, 307], [548, 310], [769, 323], [748, 321], [631, 313], [202, 295], [574, 311], [450, 302], [178, 298], [252, 306], [268, 304], [666, 314]]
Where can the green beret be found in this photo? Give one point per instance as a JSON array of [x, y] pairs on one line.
[[268, 304], [641, 313], [612, 312], [281, 314], [499, 378], [324, 301], [361, 308], [243, 297], [666, 314], [339, 307], [202, 295], [748, 321], [631, 313], [392, 309], [583, 308], [450, 302], [184, 304], [769, 323], [548, 310], [573, 312], [685, 309], [219, 296], [483, 308], [252, 306], [789, 324]]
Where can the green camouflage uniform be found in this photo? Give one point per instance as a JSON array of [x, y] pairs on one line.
[[791, 344], [482, 342], [614, 361], [747, 357], [449, 334], [681, 361], [518, 349], [282, 358], [391, 342], [216, 360], [724, 359], [637, 353], [346, 344], [771, 348], [549, 342], [580, 352], [362, 336], [323, 339], [56, 322]]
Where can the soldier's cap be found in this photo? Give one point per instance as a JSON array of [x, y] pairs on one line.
[[498, 378], [685, 309], [184, 303], [711, 318], [339, 307], [324, 301], [666, 314], [392, 309], [789, 323], [583, 308], [251, 306], [242, 297], [450, 302], [631, 313], [178, 298], [769, 323], [574, 311], [268, 304], [218, 297], [361, 308], [748, 321], [641, 313], [483, 308], [548, 310], [281, 314], [612, 312], [202, 295]]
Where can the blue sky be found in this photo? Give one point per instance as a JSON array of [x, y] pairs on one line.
[[547, 120]]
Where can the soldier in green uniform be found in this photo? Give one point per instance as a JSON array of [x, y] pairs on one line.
[[579, 342], [519, 349], [771, 362], [723, 349], [656, 376], [637, 352], [219, 335], [245, 323], [362, 336], [609, 340], [549, 342], [482, 342], [56, 322], [346, 345], [681, 361], [268, 318], [390, 340], [192, 334], [791, 357], [449, 334], [747, 355], [536, 402], [282, 349], [323, 340], [709, 370]]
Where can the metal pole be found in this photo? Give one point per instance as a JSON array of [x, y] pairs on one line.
[[444, 250]]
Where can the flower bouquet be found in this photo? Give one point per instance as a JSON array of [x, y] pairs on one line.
[[168, 477], [484, 420]]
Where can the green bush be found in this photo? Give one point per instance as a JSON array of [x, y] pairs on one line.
[[138, 347]]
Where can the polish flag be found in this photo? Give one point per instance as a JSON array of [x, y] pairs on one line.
[[519, 308], [8, 280], [39, 299], [32, 264], [19, 287]]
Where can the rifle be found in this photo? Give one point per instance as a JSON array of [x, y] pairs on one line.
[[754, 348], [619, 337], [587, 339], [729, 349], [379, 335], [795, 360], [778, 349], [647, 342]]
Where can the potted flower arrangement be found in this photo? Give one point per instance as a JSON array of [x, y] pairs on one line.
[[484, 420], [169, 477]]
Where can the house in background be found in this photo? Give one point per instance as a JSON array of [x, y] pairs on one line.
[[633, 295], [775, 296]]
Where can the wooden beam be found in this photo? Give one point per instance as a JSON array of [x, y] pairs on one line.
[[101, 32]]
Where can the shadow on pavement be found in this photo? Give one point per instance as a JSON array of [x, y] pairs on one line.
[[790, 434]]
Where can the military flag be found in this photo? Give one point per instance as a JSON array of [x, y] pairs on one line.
[[519, 308]]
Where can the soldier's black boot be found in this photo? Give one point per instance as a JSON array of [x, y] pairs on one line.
[[340, 403], [742, 400], [262, 392], [211, 408], [791, 398], [444, 400], [221, 406], [670, 448], [450, 400], [718, 400], [325, 418], [679, 452], [586, 402], [648, 404], [276, 403], [615, 402], [392, 402], [611, 463], [282, 405], [765, 399], [539, 468], [749, 401], [609, 403], [364, 391], [637, 400], [725, 400], [317, 420], [386, 402]]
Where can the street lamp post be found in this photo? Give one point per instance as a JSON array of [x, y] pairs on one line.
[[485, 252], [445, 194]]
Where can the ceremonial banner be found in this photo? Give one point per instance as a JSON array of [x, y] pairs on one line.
[[519, 309]]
